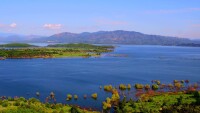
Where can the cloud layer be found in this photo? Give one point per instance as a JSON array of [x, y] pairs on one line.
[[13, 25]]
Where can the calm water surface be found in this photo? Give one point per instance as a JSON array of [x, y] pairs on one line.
[[24, 77]]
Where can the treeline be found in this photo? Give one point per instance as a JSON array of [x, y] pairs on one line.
[[81, 45]]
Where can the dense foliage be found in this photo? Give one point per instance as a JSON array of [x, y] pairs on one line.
[[32, 105], [81, 45], [178, 97], [68, 50]]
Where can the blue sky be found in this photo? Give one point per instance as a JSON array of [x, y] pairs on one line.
[[45, 17]]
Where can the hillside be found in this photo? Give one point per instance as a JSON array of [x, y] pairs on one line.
[[114, 37], [10, 38]]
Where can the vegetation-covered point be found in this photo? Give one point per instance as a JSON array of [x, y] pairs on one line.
[[17, 45], [49, 52], [32, 105], [81, 45], [179, 97], [167, 102]]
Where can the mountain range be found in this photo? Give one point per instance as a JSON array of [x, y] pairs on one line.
[[11, 37], [101, 37]]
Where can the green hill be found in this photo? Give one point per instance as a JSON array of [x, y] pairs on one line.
[[17, 45]]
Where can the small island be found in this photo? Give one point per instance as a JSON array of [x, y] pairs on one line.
[[21, 50]]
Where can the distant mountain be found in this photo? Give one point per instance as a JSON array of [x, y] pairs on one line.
[[114, 37], [10, 37], [6, 34], [100, 37]]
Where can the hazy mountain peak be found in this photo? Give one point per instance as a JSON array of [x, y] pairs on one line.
[[114, 37]]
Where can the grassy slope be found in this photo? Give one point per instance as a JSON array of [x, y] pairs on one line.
[[21, 105], [155, 103]]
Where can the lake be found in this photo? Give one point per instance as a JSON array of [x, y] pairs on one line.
[[25, 77]]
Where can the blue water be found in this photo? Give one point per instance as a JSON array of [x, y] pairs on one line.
[[24, 77]]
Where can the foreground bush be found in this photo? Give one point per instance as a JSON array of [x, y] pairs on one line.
[[32, 105], [108, 88], [94, 96], [139, 86]]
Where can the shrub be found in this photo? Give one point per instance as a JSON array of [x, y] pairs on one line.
[[62, 111], [139, 86], [178, 85], [74, 110], [170, 85], [106, 105], [195, 85], [1, 101], [10, 99], [147, 87], [155, 86], [157, 82], [108, 88], [151, 99], [94, 95], [48, 105], [196, 94], [175, 81], [22, 99], [162, 86], [69, 97], [75, 97], [55, 112], [16, 103], [115, 96], [122, 87], [58, 105], [33, 100], [4, 104], [129, 86]]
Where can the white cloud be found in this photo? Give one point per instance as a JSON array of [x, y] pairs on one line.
[[52, 26], [13, 25]]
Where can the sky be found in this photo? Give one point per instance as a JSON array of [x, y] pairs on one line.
[[179, 18]]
